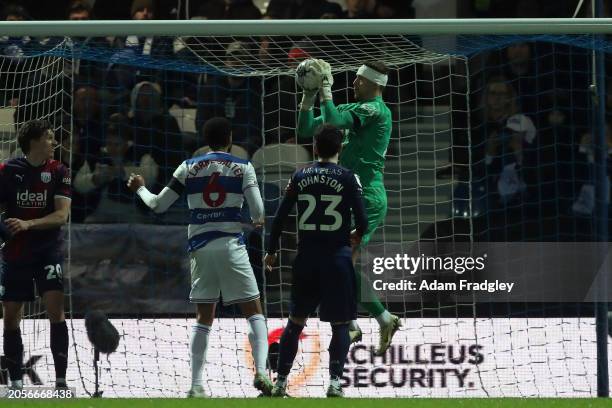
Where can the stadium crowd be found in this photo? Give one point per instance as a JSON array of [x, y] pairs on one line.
[[529, 105]]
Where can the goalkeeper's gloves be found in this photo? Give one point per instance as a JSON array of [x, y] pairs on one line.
[[327, 80], [308, 99]]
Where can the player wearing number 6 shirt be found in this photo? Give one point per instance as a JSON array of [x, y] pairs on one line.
[[35, 190], [323, 276], [216, 185]]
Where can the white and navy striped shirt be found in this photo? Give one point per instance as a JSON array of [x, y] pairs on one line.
[[215, 185]]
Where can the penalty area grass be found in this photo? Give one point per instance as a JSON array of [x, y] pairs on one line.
[[312, 402]]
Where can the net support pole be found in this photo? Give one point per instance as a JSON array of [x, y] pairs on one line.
[[601, 218], [97, 393]]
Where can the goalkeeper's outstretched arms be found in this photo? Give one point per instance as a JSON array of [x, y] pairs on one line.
[[159, 203], [308, 77], [307, 123], [331, 115]]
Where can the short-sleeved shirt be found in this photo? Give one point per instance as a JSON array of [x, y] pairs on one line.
[[215, 184], [365, 145], [29, 192]]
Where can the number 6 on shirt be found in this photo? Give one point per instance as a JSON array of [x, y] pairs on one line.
[[214, 187]]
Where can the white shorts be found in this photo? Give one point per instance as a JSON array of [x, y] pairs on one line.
[[222, 267]]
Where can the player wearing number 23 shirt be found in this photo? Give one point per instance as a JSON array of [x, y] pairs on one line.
[[327, 197]]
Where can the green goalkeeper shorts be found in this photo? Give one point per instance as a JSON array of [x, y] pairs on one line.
[[375, 199]]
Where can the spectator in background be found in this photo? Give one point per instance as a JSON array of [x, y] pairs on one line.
[[109, 176], [143, 10], [12, 51], [123, 78], [70, 154], [235, 97], [584, 204], [79, 10], [194, 48], [14, 12], [394, 9], [501, 195], [241, 10], [521, 69], [360, 9], [84, 72], [155, 131], [509, 162], [228, 10], [303, 9], [87, 119]]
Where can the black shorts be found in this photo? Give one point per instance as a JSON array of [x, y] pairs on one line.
[[327, 280], [18, 278]]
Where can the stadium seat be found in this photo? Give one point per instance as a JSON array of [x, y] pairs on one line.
[[280, 157], [184, 117], [7, 120]]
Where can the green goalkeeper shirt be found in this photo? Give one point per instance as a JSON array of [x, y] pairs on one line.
[[368, 130]]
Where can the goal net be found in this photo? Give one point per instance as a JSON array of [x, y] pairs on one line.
[[141, 108], [35, 83]]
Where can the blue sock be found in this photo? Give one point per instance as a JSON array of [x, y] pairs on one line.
[[338, 349], [288, 347]]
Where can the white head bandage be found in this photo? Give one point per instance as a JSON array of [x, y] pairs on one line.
[[373, 75]]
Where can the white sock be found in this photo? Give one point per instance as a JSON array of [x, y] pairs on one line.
[[335, 381], [17, 383], [198, 346], [258, 337], [353, 325], [384, 318]]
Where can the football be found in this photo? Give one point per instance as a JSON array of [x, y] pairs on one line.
[[307, 75]]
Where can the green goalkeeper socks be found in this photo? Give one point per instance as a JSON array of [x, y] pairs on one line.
[[373, 306]]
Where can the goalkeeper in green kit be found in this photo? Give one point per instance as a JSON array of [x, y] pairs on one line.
[[367, 125]]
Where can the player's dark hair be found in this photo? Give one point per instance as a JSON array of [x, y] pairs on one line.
[[31, 130], [217, 133], [378, 66], [328, 141]]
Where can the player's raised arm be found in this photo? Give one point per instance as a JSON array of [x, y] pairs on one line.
[[331, 114], [159, 203], [277, 225], [308, 77]]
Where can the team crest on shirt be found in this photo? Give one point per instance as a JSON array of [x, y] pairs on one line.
[[45, 177]]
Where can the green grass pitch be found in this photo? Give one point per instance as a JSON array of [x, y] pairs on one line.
[[312, 402]]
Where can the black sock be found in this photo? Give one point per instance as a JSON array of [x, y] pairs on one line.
[[59, 348], [13, 352], [288, 347], [338, 349]]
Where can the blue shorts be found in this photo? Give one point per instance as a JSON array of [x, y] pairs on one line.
[[18, 278], [326, 280]]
